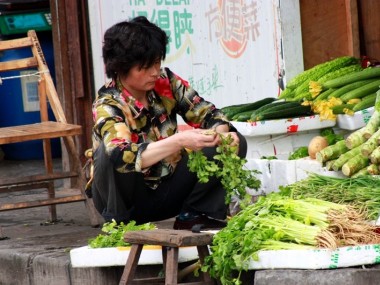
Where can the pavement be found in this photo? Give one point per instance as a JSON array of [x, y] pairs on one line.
[[34, 251]]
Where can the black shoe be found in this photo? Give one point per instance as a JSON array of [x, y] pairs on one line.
[[202, 222]]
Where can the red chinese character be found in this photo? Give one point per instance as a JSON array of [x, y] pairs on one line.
[[292, 129]]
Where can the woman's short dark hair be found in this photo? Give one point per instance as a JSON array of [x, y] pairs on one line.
[[137, 42]]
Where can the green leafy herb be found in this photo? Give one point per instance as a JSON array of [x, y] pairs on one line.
[[270, 157], [278, 222], [363, 193], [300, 152], [331, 136], [114, 234], [227, 166]]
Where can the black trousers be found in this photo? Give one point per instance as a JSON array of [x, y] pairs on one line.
[[125, 196]]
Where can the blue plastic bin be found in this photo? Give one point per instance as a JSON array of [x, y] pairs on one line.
[[12, 112]]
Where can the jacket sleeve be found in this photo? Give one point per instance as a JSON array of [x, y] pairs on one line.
[[194, 109], [120, 141]]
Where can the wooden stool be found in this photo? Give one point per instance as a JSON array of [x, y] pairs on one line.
[[170, 241]]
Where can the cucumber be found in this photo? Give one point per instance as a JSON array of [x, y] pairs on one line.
[[232, 110], [367, 102], [339, 109], [288, 110], [346, 88], [324, 94], [242, 117], [361, 91], [367, 73], [285, 113], [269, 106]]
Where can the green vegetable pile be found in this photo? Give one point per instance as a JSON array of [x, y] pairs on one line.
[[229, 167], [114, 234], [300, 152], [278, 222], [331, 136], [362, 192], [303, 151]]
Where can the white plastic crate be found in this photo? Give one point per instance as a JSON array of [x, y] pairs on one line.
[[356, 121], [282, 126]]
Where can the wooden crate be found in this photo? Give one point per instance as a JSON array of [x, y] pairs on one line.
[[329, 29], [369, 28]]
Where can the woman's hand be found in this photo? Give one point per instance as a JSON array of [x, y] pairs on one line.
[[235, 139], [196, 139], [224, 131]]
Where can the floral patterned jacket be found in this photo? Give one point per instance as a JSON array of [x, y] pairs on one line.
[[126, 128]]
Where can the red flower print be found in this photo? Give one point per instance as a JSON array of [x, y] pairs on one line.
[[162, 118], [139, 105], [134, 138], [196, 99], [197, 126], [162, 87], [117, 141], [184, 82]]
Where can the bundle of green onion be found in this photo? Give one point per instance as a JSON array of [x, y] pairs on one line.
[[362, 192], [279, 222]]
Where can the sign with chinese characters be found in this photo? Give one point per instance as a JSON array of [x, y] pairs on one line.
[[230, 51]]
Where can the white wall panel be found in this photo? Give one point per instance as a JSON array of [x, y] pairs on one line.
[[231, 51]]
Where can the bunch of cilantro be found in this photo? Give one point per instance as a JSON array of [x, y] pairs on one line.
[[114, 234], [234, 176]]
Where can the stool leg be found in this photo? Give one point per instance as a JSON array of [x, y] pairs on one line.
[[164, 250], [171, 270], [131, 265], [203, 252]]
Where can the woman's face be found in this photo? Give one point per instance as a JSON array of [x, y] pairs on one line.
[[139, 80]]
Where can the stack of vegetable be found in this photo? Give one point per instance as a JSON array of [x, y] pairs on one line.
[[362, 193], [279, 222], [358, 154], [327, 137], [113, 234], [339, 86], [297, 89], [266, 109]]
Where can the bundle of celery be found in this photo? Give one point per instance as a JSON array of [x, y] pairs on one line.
[[363, 193], [279, 222]]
